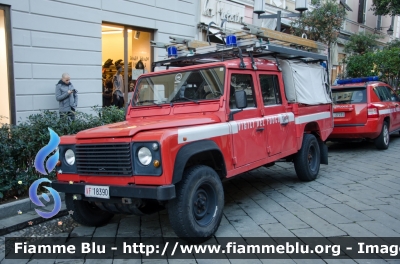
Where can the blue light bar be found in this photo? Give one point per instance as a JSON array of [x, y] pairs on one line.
[[172, 52], [358, 80], [231, 41]]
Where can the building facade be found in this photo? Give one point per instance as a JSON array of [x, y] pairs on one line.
[[41, 39], [360, 18]]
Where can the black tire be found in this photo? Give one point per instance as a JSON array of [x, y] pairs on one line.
[[307, 161], [86, 213], [382, 141], [196, 212]]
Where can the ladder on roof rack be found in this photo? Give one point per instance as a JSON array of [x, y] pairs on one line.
[[254, 42]]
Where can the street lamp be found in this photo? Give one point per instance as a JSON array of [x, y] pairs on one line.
[[259, 6]]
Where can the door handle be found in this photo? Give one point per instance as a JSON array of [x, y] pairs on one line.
[[260, 129]]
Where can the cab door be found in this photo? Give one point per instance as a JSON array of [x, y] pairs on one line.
[[395, 108], [249, 144], [384, 94], [279, 125]]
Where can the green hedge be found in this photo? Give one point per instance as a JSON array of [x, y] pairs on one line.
[[20, 143]]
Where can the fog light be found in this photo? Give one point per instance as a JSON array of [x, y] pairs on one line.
[[156, 163]]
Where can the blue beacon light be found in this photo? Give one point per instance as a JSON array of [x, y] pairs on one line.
[[172, 52], [358, 80], [231, 41]]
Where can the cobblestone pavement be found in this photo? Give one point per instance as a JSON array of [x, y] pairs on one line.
[[357, 194]]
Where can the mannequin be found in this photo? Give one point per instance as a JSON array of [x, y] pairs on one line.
[[118, 80], [118, 95]]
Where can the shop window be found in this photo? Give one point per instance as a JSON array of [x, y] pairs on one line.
[[135, 50], [361, 11]]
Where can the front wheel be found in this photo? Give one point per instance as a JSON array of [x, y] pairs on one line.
[[196, 212], [382, 141], [86, 213], [307, 161]]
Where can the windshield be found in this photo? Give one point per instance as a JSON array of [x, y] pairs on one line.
[[188, 86], [349, 96]]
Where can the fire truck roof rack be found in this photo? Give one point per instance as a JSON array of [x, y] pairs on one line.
[[252, 41]]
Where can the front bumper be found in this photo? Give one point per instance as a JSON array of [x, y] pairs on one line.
[[160, 193]]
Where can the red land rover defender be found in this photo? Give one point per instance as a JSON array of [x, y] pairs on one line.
[[190, 127], [365, 109]]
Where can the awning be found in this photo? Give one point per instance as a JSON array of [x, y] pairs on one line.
[[213, 31], [271, 23], [346, 6]]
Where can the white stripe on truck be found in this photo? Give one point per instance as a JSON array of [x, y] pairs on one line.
[[312, 117], [215, 130]]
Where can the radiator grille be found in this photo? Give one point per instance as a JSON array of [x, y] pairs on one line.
[[104, 159]]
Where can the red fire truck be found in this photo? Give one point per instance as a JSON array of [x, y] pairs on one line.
[[208, 116]]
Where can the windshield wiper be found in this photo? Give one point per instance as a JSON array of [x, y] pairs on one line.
[[184, 98], [149, 101]]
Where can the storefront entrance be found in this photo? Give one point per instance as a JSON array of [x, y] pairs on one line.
[[7, 114], [127, 48]]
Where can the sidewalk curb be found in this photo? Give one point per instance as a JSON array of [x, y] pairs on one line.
[[36, 220], [24, 205]]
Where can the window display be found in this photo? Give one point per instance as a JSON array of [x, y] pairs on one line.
[[138, 54]]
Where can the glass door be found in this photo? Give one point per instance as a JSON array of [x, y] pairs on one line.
[[5, 115]]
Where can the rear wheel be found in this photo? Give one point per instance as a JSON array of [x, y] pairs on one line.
[[86, 213], [382, 141], [196, 212], [307, 160]]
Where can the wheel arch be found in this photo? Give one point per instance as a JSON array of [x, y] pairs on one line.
[[313, 128], [204, 152], [387, 119]]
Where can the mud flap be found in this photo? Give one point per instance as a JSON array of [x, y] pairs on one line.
[[323, 148]]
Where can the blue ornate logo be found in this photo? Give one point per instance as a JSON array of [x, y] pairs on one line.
[[50, 164], [45, 151], [35, 199]]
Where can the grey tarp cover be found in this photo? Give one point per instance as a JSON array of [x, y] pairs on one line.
[[305, 83]]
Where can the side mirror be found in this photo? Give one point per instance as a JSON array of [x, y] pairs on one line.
[[240, 99]]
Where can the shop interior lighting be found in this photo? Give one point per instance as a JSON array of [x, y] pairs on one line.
[[115, 30], [137, 34]]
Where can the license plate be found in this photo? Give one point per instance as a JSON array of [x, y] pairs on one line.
[[97, 191], [339, 114]]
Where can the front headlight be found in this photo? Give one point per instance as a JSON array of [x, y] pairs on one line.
[[144, 156], [70, 156]]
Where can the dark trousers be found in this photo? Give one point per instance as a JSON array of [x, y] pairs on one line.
[[70, 115]]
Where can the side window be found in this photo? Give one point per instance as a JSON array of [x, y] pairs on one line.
[[393, 96], [382, 94], [388, 95], [242, 82], [270, 89]]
